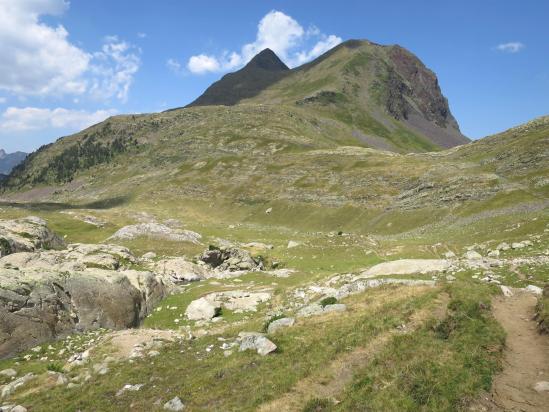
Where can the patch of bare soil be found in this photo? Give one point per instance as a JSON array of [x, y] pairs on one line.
[[526, 359]]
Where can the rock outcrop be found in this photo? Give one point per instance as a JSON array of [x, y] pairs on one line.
[[27, 235], [45, 294], [230, 259]]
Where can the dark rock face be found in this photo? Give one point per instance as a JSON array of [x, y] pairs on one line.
[[262, 71], [408, 79]]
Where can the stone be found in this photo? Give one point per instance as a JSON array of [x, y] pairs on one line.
[[156, 231], [10, 373], [61, 380], [202, 309], [517, 245], [536, 290], [449, 255], [27, 235], [542, 386], [407, 267], [472, 255], [174, 405], [493, 253], [503, 246], [38, 304], [18, 408], [180, 270], [230, 259], [336, 307], [129, 388], [238, 300], [310, 310], [269, 210], [11, 387], [255, 341], [292, 244], [279, 324], [149, 256], [507, 292]]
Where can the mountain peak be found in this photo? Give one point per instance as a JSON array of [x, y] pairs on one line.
[[2, 153], [267, 60], [263, 70]]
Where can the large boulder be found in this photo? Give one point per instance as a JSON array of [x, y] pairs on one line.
[[255, 341], [407, 267], [202, 309], [180, 270], [27, 235], [76, 257], [156, 231], [230, 259], [41, 305]]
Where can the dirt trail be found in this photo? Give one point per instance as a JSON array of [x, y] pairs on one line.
[[526, 360], [339, 373]]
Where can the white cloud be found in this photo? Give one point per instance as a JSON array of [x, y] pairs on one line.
[[174, 65], [511, 47], [31, 118], [142, 35], [114, 67], [277, 31], [3, 100], [37, 59]]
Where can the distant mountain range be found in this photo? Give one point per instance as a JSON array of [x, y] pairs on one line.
[[9, 160]]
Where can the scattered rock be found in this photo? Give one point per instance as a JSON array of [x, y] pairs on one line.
[[27, 235], [279, 324], [11, 387], [493, 253], [407, 267], [503, 246], [130, 388], [180, 270], [149, 256], [202, 309], [255, 341], [449, 255], [230, 259], [156, 231], [10, 373], [542, 386], [292, 244], [534, 289], [336, 307], [174, 405], [269, 210], [472, 255]]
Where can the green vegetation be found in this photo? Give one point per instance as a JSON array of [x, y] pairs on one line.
[[440, 367]]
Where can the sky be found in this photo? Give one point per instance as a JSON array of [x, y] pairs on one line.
[[65, 65]]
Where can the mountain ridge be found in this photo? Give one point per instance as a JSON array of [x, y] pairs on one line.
[[384, 92]]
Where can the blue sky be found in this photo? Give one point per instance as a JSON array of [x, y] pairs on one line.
[[65, 65]]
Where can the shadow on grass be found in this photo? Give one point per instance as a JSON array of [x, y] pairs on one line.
[[53, 206]]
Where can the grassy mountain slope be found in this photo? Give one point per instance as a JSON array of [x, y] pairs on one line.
[[388, 98]]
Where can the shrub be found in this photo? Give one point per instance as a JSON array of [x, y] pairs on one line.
[[55, 367], [328, 301]]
